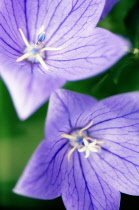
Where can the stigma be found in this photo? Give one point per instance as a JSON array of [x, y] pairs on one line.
[[81, 142], [35, 53]]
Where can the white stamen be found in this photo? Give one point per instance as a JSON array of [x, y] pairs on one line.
[[24, 38], [23, 57], [50, 48], [42, 62], [41, 36], [67, 136], [71, 151], [85, 128]]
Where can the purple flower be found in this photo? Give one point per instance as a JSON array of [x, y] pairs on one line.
[[89, 154], [108, 6], [43, 43]]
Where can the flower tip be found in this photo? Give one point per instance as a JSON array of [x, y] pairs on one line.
[[16, 190], [127, 46], [127, 49], [20, 191]]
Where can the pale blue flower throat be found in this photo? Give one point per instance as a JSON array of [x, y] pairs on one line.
[[35, 53], [82, 142]]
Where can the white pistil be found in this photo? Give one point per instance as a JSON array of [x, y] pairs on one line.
[[91, 139], [36, 52], [89, 147], [82, 142]]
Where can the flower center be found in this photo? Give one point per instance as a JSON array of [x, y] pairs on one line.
[[81, 142], [79, 139], [36, 53]]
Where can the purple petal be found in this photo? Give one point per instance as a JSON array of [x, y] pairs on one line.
[[28, 90], [63, 22], [60, 27], [82, 182], [116, 122], [65, 108], [84, 189], [87, 54], [42, 177], [49, 175], [27, 84], [58, 20], [108, 6]]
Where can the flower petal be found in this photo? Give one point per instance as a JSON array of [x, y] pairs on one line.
[[116, 122], [74, 20], [15, 15], [87, 54], [62, 22], [57, 18], [84, 189], [28, 89], [49, 175], [42, 177], [69, 30], [28, 86], [108, 6], [19, 14], [65, 109]]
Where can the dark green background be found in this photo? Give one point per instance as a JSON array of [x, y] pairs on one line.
[[19, 139]]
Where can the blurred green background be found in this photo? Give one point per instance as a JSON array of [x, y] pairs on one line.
[[19, 139]]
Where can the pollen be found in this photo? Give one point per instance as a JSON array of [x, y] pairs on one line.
[[81, 142], [35, 53]]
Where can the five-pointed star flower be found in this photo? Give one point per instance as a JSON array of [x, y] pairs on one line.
[[43, 43], [90, 152]]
